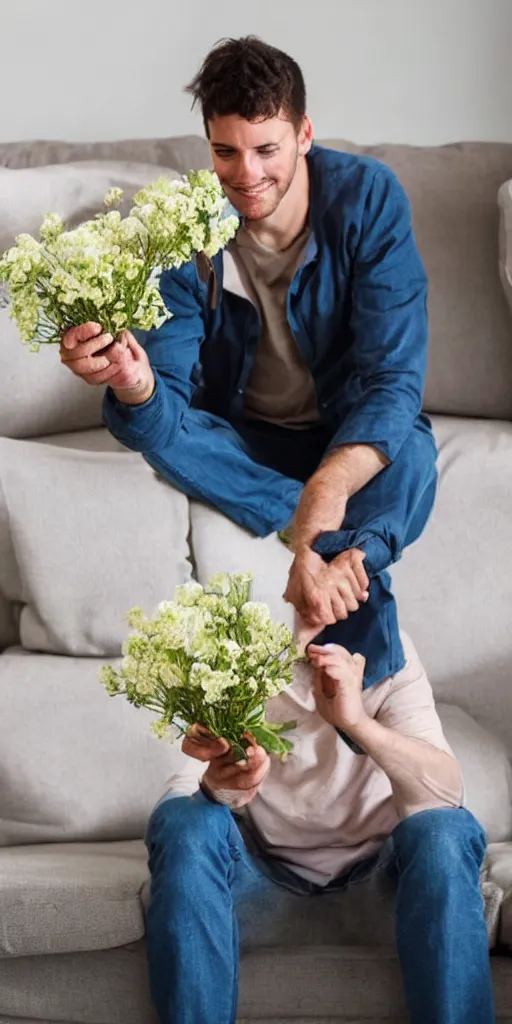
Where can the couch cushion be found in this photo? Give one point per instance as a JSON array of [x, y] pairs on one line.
[[9, 632], [93, 533], [454, 586], [182, 152], [485, 768], [39, 395], [219, 545], [76, 764], [63, 898], [94, 440], [505, 205], [74, 190], [453, 192], [498, 870], [323, 986]]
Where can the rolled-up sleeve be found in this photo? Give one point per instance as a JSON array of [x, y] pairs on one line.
[[173, 351]]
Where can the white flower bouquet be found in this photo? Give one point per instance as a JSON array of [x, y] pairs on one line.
[[212, 656], [107, 270]]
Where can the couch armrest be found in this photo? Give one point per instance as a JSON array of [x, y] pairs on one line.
[[496, 879]]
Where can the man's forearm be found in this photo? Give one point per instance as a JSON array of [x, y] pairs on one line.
[[422, 776], [324, 498]]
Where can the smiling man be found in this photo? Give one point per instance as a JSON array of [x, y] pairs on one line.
[[287, 388]]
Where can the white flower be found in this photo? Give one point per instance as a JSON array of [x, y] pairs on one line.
[[188, 594], [256, 614]]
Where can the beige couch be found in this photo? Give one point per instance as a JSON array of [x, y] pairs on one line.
[[87, 530]]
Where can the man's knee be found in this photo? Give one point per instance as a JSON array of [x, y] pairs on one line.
[[185, 823], [440, 842]]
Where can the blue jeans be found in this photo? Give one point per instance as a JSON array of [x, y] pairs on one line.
[[204, 879]]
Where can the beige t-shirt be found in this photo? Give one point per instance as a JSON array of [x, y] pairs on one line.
[[326, 808], [280, 388]]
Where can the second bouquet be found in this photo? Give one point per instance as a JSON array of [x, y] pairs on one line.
[[210, 657]]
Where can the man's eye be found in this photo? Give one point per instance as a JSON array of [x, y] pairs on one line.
[[267, 152], [224, 153]]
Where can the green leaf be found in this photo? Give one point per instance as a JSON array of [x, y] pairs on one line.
[[279, 727], [270, 742]]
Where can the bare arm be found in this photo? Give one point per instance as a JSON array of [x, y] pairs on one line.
[[324, 499], [422, 776]]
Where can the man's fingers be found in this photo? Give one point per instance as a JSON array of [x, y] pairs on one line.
[[354, 584], [340, 607], [242, 775], [323, 687], [359, 570], [203, 745], [85, 348], [330, 651], [127, 340], [102, 376], [81, 333]]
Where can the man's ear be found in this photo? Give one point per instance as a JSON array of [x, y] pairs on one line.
[[305, 136]]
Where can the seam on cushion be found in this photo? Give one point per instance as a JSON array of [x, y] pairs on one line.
[[12, 546]]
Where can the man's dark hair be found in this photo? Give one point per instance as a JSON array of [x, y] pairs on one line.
[[250, 78]]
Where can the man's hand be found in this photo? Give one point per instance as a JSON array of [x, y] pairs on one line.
[[100, 359], [233, 783], [322, 593], [338, 685]]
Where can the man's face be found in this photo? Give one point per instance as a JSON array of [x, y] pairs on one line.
[[256, 161]]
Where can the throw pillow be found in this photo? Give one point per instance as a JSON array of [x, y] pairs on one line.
[[90, 534], [77, 765]]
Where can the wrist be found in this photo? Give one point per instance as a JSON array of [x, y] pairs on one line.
[[362, 730], [139, 393], [206, 791]]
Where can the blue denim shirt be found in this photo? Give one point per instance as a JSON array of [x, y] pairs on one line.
[[357, 309]]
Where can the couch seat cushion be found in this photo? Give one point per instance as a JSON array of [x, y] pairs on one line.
[[64, 898]]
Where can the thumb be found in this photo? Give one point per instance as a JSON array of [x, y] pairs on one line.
[[127, 340], [360, 662]]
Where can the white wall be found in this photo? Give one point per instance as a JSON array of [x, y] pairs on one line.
[[417, 71]]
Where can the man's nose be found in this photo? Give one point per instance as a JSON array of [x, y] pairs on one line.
[[249, 170]]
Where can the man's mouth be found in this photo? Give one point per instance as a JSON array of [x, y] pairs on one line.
[[255, 190]]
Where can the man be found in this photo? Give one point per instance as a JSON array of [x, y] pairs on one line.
[[319, 822], [287, 387]]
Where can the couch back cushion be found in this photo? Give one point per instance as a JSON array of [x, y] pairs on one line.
[[453, 193], [85, 536], [39, 395], [181, 152]]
